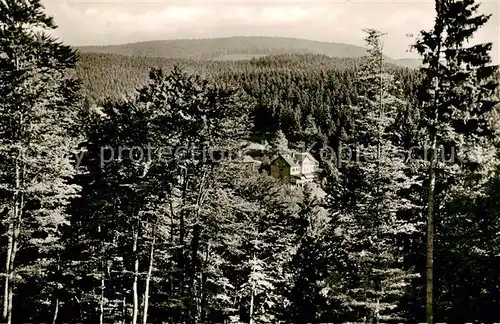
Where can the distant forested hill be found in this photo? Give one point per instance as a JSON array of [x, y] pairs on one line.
[[115, 76], [234, 48], [287, 89], [217, 47], [409, 62]]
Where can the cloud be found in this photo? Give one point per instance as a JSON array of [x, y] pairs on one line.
[[123, 21]]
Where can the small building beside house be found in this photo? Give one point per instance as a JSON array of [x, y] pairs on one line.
[[249, 163], [297, 169]]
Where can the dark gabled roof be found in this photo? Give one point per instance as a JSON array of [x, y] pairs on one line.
[[287, 158]]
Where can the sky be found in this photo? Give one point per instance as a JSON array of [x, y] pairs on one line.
[[103, 22]]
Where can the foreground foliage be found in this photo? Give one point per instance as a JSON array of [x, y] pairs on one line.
[[127, 209]]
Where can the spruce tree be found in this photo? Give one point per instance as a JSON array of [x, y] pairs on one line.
[[279, 144], [369, 198], [457, 100], [309, 263]]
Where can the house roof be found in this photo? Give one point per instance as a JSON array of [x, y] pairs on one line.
[[287, 158], [300, 157], [249, 159], [296, 160], [252, 146]]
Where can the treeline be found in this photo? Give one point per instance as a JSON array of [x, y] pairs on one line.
[[113, 75], [112, 211], [287, 89], [227, 48]]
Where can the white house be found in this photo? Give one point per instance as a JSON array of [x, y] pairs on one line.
[[298, 168]]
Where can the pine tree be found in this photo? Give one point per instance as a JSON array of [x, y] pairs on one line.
[[369, 197], [309, 263], [157, 203], [266, 224], [457, 100], [279, 144]]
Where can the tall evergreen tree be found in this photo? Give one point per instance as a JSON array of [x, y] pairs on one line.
[[152, 162], [37, 106], [370, 200], [309, 263], [279, 144], [457, 101]]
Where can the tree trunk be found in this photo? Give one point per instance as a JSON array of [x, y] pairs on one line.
[[435, 65], [430, 233], [14, 222], [10, 234], [105, 269], [193, 270], [193, 300], [101, 301], [124, 308], [199, 296], [13, 253], [135, 309], [14, 234], [56, 311], [182, 233], [56, 306], [148, 280], [203, 280], [9, 306], [252, 294], [251, 303]]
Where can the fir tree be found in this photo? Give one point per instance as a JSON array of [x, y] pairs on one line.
[[457, 100], [369, 198], [279, 144]]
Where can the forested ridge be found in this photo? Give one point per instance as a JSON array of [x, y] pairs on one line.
[[231, 48], [119, 204], [219, 47]]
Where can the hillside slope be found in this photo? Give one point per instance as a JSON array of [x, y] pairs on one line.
[[233, 48], [217, 47], [409, 62], [112, 75]]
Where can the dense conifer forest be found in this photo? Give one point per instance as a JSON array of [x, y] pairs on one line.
[[285, 89], [231, 48], [112, 213]]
